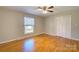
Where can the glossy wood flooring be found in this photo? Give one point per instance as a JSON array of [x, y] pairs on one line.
[[41, 43]]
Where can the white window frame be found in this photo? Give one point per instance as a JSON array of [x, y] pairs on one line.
[[27, 32]]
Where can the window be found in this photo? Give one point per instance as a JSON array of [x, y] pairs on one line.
[[28, 25]]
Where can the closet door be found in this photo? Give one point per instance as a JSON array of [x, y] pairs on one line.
[[63, 26]]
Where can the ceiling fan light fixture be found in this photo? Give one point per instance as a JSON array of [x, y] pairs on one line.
[[46, 9], [39, 9], [45, 12]]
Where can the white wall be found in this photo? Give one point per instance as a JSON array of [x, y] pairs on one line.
[[75, 25], [12, 27], [11, 24], [51, 26], [39, 25]]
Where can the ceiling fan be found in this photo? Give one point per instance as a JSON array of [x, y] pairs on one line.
[[46, 9]]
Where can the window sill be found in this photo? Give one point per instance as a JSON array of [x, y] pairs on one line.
[[28, 33]]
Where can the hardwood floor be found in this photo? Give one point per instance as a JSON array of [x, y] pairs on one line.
[[41, 43]]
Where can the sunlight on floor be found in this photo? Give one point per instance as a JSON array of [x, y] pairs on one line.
[[29, 45]]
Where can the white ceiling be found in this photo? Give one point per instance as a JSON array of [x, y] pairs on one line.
[[33, 9]]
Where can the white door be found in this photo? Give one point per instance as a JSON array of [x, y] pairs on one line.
[[63, 26]]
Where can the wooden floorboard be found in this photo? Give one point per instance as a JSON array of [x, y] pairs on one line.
[[42, 43]]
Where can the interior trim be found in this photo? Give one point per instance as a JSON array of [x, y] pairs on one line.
[[63, 37], [20, 38]]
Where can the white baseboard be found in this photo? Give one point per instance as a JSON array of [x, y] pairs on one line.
[[8, 41], [19, 38], [64, 37], [30, 35]]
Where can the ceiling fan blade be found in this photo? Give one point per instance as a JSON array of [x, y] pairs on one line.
[[40, 7], [50, 7], [50, 11]]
